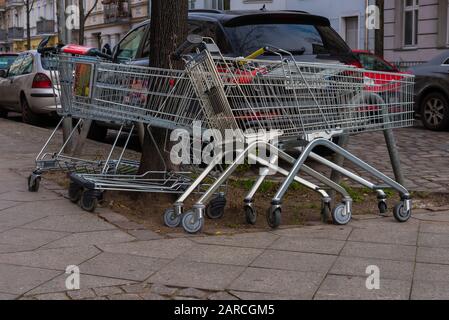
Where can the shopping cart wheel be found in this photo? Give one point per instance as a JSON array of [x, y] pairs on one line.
[[325, 211], [171, 219], [274, 217], [75, 192], [88, 201], [383, 208], [250, 215], [191, 223], [340, 215], [400, 214], [34, 183], [215, 209]]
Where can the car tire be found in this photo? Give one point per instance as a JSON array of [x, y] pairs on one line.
[[3, 113], [28, 116], [435, 111], [96, 132]]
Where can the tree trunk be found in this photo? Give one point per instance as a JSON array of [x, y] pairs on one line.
[[168, 30], [379, 33], [28, 24], [82, 22]]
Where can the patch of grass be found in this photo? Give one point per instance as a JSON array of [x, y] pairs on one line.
[[357, 195], [267, 186]]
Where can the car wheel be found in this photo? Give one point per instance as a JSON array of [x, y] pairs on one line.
[[96, 132], [3, 113], [28, 116], [435, 111]]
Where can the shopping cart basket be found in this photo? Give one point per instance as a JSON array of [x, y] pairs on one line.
[[307, 102]]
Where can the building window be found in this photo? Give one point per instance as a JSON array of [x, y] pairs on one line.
[[411, 22], [218, 4], [192, 4]]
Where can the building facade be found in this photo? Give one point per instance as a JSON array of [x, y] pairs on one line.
[[13, 23], [416, 30]]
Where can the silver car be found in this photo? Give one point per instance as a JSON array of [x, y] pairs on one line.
[[26, 87]]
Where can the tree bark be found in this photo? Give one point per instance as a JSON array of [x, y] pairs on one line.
[[168, 30], [82, 22], [28, 9], [379, 33]]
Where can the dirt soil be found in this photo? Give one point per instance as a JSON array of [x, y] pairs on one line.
[[300, 206]]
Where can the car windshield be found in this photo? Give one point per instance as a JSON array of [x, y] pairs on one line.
[[49, 63], [299, 39], [372, 62], [6, 61]]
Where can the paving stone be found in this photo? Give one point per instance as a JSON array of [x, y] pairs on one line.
[[111, 216], [317, 232], [9, 220], [136, 288], [144, 235], [222, 295], [291, 283], [433, 255], [197, 275], [107, 291], [354, 288], [431, 272], [163, 290], [9, 248], [436, 240], [52, 296], [60, 207], [191, 292], [377, 235], [129, 225], [57, 259], [167, 248], [430, 290], [221, 254], [81, 223], [26, 237], [81, 294], [122, 266], [18, 280], [295, 261], [125, 296], [25, 196], [7, 296], [433, 216], [389, 269], [5, 204], [152, 296], [245, 295], [184, 298], [91, 238], [381, 251], [434, 227], [308, 245], [247, 240]]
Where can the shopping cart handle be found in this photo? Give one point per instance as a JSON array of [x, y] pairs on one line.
[[193, 40]]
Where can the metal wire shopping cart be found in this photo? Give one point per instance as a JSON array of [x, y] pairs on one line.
[[307, 103]]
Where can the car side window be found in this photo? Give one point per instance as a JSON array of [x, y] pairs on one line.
[[130, 44], [446, 62], [14, 69], [27, 64]]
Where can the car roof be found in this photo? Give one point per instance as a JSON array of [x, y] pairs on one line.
[[9, 54], [233, 17]]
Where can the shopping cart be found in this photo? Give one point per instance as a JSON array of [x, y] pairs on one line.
[[308, 103]]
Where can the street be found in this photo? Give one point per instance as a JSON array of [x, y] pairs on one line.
[[41, 234]]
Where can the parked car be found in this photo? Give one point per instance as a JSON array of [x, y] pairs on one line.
[[370, 61], [432, 92], [6, 59], [26, 87]]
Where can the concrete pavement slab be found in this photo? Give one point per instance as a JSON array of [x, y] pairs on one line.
[[123, 266], [166, 249], [221, 254], [308, 245], [317, 232], [389, 269], [295, 261], [50, 208], [431, 272], [55, 259], [354, 288], [245, 295], [435, 240], [430, 290], [91, 238], [5, 204], [247, 240], [26, 237], [434, 227], [197, 275], [381, 251], [80, 223], [18, 280], [7, 296], [302, 285], [379, 235], [433, 255], [25, 196]]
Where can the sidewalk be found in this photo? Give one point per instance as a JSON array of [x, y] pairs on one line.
[[43, 233]]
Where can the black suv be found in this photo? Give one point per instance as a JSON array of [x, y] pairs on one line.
[[239, 33]]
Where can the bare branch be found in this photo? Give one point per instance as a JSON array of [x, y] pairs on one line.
[[91, 9]]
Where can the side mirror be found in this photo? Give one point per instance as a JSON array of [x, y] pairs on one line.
[[3, 73]]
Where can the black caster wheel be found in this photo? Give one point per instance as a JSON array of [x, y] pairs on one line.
[[400, 214], [191, 223], [250, 215], [325, 212], [340, 216], [171, 219], [75, 192], [215, 209], [383, 208], [88, 201], [274, 217], [34, 183]]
